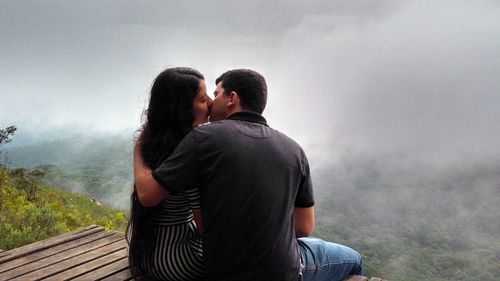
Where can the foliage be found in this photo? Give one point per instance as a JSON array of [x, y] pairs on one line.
[[27, 180], [100, 168], [6, 134], [410, 223], [25, 219], [6, 137]]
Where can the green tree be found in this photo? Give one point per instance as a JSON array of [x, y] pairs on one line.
[[6, 137], [6, 134], [28, 180]]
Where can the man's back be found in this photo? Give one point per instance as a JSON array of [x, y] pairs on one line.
[[253, 180], [250, 178]]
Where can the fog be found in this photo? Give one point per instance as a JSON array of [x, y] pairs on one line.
[[417, 80], [412, 77]]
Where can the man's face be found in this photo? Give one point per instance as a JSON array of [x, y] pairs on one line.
[[220, 108]]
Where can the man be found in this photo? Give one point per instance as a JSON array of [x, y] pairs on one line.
[[256, 192]]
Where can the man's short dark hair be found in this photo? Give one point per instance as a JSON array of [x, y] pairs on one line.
[[250, 86]]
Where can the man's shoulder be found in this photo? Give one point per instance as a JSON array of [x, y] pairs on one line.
[[287, 139], [223, 125], [211, 127], [228, 127], [212, 132]]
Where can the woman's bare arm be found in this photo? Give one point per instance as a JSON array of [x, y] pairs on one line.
[[149, 191]]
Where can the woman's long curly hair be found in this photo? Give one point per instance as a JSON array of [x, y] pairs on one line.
[[169, 118]]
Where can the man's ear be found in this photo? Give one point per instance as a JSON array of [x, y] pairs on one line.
[[234, 99]]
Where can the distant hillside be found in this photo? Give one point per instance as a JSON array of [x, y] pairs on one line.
[[100, 168], [413, 222], [409, 220], [111, 154], [31, 211]]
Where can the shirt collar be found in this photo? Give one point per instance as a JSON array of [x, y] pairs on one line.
[[249, 117]]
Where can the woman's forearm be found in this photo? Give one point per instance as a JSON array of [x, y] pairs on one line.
[[149, 191]]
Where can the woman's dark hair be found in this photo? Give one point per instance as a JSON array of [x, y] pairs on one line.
[[169, 118]]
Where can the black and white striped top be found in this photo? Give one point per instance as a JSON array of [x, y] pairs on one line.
[[178, 248]]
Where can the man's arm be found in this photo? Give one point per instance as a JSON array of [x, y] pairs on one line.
[[149, 191], [304, 221]]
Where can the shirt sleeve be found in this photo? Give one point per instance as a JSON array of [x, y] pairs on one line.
[[178, 172], [305, 197]]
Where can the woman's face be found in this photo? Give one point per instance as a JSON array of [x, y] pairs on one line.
[[201, 105]]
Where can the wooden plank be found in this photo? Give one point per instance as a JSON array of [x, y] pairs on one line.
[[107, 271], [57, 258], [119, 276], [3, 254], [52, 251], [44, 244], [69, 264], [96, 264]]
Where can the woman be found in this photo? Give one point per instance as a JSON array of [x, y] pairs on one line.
[[163, 242]]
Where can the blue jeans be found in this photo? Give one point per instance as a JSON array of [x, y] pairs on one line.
[[323, 260]]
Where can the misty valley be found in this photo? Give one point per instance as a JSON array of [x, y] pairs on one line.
[[409, 220]]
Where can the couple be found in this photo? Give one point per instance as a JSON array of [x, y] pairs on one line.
[[231, 200]]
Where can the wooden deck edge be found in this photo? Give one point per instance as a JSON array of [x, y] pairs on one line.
[[9, 255], [108, 270], [57, 250], [123, 275], [53, 264], [103, 262]]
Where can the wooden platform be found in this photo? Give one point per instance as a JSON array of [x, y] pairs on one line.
[[91, 253]]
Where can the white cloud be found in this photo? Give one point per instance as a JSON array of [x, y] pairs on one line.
[[421, 78], [376, 76]]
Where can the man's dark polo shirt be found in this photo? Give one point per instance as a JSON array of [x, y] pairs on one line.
[[250, 178]]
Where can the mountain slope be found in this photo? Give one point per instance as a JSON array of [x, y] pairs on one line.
[[27, 216]]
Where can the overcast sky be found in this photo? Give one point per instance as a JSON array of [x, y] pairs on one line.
[[418, 76]]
